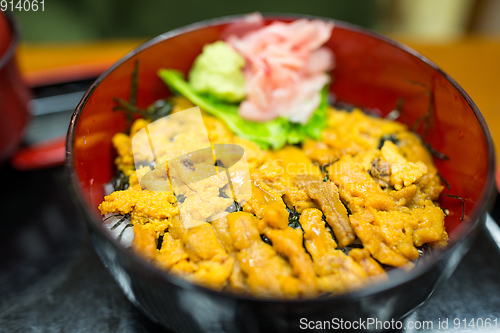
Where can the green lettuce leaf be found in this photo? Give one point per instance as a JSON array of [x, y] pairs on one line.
[[271, 134]]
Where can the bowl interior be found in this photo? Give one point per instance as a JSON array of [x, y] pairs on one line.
[[371, 72]]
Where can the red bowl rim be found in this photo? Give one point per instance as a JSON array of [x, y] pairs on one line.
[[14, 30], [397, 277]]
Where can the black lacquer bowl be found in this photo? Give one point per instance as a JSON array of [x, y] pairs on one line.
[[372, 71]]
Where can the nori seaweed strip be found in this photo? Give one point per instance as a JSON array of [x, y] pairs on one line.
[[348, 107], [388, 137], [305, 247], [127, 108], [434, 152], [180, 198], [266, 240], [324, 169], [159, 109], [120, 182], [460, 198], [348, 248], [349, 213], [235, 207], [329, 229], [222, 193], [293, 219], [399, 104], [428, 115], [130, 108], [107, 218], [134, 86], [426, 118], [120, 221], [344, 106], [431, 150], [327, 175], [159, 242], [398, 109], [417, 123], [155, 111], [119, 238], [424, 250], [448, 186]]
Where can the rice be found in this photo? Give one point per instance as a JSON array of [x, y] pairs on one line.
[[120, 228]]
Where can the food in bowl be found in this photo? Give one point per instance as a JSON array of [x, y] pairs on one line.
[[337, 198]]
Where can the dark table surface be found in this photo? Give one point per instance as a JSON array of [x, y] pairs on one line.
[[51, 280]]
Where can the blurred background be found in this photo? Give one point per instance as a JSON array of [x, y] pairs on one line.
[[64, 21]]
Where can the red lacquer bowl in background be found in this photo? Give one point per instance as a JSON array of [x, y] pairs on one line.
[[373, 72], [14, 95]]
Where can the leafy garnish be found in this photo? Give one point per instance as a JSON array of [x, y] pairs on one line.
[[271, 134]]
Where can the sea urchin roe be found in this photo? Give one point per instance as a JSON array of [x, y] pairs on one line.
[[329, 262], [387, 235], [402, 172], [211, 265], [144, 242], [349, 133], [356, 187], [171, 252], [370, 265], [288, 242], [268, 274], [140, 203], [326, 195], [379, 170], [430, 225]]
